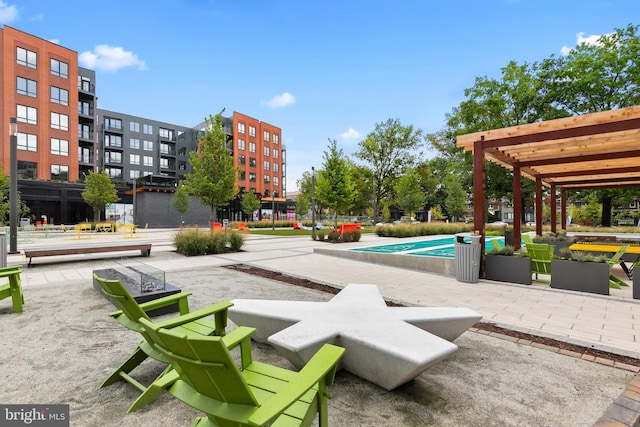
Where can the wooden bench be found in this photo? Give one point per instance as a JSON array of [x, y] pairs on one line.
[[144, 248]]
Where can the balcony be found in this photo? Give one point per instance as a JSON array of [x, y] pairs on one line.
[[85, 135], [110, 128]]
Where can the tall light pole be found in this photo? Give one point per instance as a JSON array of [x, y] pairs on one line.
[[273, 211], [13, 186], [313, 202]]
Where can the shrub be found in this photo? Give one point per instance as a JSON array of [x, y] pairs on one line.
[[320, 235], [215, 242], [333, 236], [355, 236], [236, 240], [190, 242], [506, 250]]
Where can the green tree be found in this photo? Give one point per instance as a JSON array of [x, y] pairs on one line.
[[388, 151], [408, 192], [214, 176], [335, 187], [180, 201], [456, 198], [250, 203], [303, 201], [362, 178], [99, 192]]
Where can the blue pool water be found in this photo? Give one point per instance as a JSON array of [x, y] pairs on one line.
[[440, 247]]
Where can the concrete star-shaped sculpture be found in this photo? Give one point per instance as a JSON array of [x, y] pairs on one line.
[[388, 346]]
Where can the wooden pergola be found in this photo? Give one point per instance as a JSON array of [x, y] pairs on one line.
[[592, 151]]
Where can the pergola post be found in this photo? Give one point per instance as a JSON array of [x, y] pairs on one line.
[[538, 206], [479, 199], [563, 208], [517, 206], [553, 207]]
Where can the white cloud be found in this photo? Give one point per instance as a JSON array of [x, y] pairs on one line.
[[56, 41], [580, 38], [110, 58], [7, 13], [350, 134], [281, 100]]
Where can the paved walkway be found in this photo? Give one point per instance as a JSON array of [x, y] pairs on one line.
[[603, 322]]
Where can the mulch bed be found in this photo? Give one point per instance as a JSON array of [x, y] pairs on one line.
[[485, 326]]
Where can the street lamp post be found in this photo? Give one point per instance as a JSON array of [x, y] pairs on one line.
[[13, 186], [273, 212], [313, 202]]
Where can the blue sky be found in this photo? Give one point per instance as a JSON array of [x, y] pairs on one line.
[[317, 69]]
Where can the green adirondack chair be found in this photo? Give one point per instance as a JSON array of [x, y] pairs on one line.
[[12, 289], [540, 254], [615, 282], [526, 238], [254, 394], [129, 316]]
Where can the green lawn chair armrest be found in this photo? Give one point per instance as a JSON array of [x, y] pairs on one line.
[[320, 369], [180, 298], [219, 311], [241, 336], [9, 271]]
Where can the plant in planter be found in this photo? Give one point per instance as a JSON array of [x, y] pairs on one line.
[[580, 271], [507, 265], [559, 241]]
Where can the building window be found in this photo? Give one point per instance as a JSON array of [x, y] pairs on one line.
[[147, 129], [147, 145], [27, 142], [27, 170], [84, 155], [164, 163], [134, 143], [59, 121], [59, 172], [240, 127], [59, 68], [275, 181], [113, 157], [241, 175], [147, 160], [59, 147], [276, 167], [267, 136], [252, 131], [27, 58], [84, 83], [115, 173], [242, 159], [113, 140], [84, 131], [133, 174], [165, 148], [110, 123], [266, 165], [275, 194], [252, 147], [241, 145], [275, 153], [59, 95], [27, 87], [252, 162], [266, 151], [27, 115], [134, 159], [276, 139], [134, 126], [267, 179], [252, 177], [166, 133], [84, 108]]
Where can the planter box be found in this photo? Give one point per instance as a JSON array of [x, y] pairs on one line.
[[590, 277], [636, 285], [512, 269]]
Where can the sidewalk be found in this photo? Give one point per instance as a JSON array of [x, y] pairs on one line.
[[514, 384]]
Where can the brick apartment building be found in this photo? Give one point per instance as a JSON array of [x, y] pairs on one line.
[[51, 96]]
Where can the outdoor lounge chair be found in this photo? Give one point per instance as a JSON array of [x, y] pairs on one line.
[[526, 238], [256, 394], [540, 259], [12, 289], [129, 316], [615, 282]]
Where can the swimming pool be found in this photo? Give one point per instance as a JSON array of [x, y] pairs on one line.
[[438, 247]]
